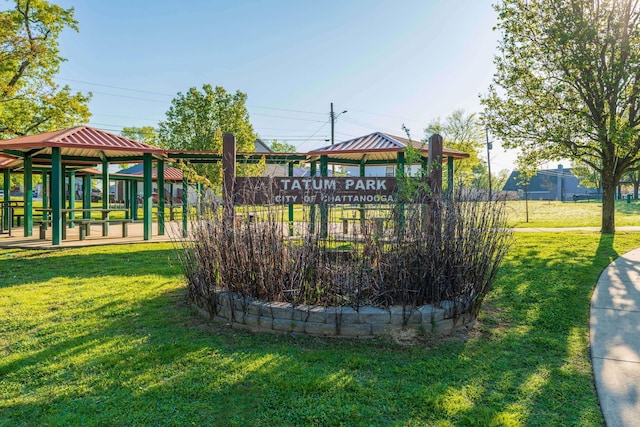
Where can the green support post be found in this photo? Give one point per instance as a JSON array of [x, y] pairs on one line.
[[399, 176], [199, 191], [324, 208], [133, 202], [185, 206], [72, 197], [56, 193], [160, 168], [86, 195], [171, 217], [105, 194], [312, 208], [147, 194], [290, 207], [127, 200], [45, 195], [6, 187], [28, 196]]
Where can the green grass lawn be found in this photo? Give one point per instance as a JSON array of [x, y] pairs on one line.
[[569, 214], [104, 336]]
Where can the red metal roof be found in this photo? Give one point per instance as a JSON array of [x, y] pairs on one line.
[[80, 141], [170, 174], [378, 146]]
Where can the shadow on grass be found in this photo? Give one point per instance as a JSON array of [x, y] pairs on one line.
[[149, 359], [19, 267]]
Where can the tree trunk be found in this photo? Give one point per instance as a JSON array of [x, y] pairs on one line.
[[608, 204]]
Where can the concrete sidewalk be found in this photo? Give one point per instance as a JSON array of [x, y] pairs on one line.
[[615, 340]]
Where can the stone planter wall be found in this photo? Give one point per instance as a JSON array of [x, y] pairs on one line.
[[332, 321]]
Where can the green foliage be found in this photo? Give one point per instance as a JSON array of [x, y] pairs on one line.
[[461, 131], [197, 120], [567, 85], [30, 102], [283, 147], [146, 134], [588, 176], [103, 336]]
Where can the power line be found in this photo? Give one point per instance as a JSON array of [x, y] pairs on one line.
[[112, 87], [314, 134]]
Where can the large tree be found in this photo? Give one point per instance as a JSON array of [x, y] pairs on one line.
[[567, 84], [30, 101], [146, 134], [197, 120]]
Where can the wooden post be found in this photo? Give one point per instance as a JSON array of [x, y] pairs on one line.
[[435, 180], [312, 208], [290, 206], [324, 208], [400, 206], [362, 174], [228, 178]]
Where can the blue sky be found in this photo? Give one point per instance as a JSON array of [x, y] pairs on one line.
[[385, 62]]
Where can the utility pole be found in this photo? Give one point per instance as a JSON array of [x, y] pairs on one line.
[[486, 131], [333, 118]]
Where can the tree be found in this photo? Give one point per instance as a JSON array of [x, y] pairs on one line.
[[30, 102], [588, 176], [567, 85], [146, 134], [283, 147], [461, 131], [197, 120]]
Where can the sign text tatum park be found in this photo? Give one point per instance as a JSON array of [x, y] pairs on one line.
[[315, 190]]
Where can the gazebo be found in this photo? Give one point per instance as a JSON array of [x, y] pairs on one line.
[[60, 154]]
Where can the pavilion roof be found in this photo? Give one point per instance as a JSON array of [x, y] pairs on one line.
[[83, 144], [378, 147], [170, 173]]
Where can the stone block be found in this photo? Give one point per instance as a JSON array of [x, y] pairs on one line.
[[222, 298], [317, 314], [281, 310], [309, 313], [431, 313], [354, 330], [265, 322], [320, 329], [251, 320], [405, 316], [344, 316], [373, 315], [288, 326], [254, 307], [241, 303]]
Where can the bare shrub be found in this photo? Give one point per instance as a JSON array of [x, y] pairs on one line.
[[435, 252]]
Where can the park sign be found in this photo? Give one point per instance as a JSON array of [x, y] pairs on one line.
[[315, 190]]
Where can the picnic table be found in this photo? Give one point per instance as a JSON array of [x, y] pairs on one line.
[[85, 223], [7, 214]]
